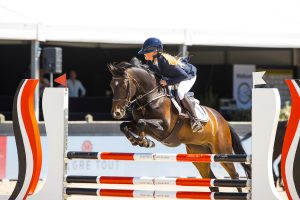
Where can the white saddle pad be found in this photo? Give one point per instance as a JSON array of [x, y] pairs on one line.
[[200, 111]]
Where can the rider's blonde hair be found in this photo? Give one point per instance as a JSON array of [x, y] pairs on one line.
[[173, 60]]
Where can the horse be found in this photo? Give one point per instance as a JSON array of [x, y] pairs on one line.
[[137, 89]]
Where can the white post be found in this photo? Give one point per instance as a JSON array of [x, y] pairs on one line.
[[35, 72], [265, 117], [55, 110], [183, 50]]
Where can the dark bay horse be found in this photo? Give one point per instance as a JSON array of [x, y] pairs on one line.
[[154, 114]]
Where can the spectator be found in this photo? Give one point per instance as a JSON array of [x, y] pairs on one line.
[[75, 85]]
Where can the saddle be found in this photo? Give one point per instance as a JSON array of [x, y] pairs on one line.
[[200, 111]]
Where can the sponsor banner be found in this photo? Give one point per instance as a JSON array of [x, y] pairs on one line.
[[3, 142], [242, 85], [114, 167]]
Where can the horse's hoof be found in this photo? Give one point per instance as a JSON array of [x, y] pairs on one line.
[[151, 144], [134, 143]]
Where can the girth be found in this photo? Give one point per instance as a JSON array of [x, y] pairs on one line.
[[171, 139]]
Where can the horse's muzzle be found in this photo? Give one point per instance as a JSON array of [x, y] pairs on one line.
[[118, 113]]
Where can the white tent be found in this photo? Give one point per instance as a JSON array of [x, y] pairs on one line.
[[190, 22], [16, 26], [254, 23]]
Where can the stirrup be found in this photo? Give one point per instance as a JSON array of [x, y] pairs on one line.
[[196, 125]]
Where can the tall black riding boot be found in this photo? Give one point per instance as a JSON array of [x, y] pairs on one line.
[[196, 124]]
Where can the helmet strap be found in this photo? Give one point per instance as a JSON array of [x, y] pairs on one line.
[[155, 56]]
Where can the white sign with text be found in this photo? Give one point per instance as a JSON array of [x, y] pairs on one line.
[[242, 85]]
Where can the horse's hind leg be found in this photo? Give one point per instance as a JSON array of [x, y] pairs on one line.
[[203, 168], [223, 145], [230, 168]]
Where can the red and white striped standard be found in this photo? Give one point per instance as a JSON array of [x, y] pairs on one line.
[[159, 181], [156, 194], [205, 158]]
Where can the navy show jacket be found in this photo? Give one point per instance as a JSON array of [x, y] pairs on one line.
[[172, 74]]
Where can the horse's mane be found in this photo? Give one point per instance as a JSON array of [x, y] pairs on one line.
[[134, 63], [123, 65]]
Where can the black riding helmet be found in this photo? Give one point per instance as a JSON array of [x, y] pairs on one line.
[[151, 45]]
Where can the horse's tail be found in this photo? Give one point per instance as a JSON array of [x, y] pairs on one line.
[[247, 136], [239, 149]]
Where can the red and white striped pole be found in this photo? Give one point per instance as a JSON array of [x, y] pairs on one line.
[[156, 194], [159, 181], [206, 158]]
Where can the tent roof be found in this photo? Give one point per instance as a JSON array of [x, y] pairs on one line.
[[191, 22]]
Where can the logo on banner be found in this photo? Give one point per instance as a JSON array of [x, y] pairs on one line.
[[244, 93], [242, 85], [3, 144], [87, 146]]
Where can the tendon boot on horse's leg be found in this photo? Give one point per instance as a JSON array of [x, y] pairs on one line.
[[196, 124]]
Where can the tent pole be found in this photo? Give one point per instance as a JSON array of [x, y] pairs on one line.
[[183, 50], [35, 72]]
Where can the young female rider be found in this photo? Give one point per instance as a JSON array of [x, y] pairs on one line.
[[174, 71]]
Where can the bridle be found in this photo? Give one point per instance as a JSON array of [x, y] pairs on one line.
[[128, 101]]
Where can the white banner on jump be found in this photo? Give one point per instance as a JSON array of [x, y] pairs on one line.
[[242, 85], [114, 167]]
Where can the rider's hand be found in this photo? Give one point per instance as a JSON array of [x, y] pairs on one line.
[[163, 83]]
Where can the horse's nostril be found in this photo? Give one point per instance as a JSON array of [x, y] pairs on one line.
[[117, 114]]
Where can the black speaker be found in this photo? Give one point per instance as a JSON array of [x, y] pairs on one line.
[[52, 59]]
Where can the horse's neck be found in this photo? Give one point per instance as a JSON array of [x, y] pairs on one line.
[[146, 82], [146, 88]]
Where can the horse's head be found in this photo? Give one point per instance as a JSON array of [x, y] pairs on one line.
[[123, 89], [128, 81]]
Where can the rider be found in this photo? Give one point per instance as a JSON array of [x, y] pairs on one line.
[[173, 71]]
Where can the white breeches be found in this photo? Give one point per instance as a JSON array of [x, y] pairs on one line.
[[185, 86]]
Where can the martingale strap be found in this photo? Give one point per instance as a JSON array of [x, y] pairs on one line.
[[148, 102], [172, 138]]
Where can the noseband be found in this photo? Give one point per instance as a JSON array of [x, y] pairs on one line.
[[127, 99]]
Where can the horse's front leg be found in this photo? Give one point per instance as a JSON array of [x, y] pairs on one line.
[[151, 127], [128, 128]]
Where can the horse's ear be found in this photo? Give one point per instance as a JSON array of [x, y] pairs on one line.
[[113, 70]]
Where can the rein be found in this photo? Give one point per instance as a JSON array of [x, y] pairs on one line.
[[129, 101], [148, 102]]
